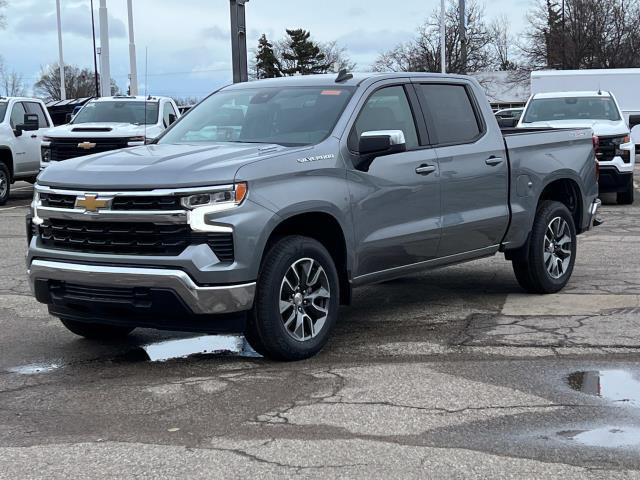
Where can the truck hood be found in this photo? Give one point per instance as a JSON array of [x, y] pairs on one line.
[[111, 130], [158, 166], [602, 128]]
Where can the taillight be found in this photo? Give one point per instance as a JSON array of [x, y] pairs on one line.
[[596, 146]]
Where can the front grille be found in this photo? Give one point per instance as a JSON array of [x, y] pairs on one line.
[[57, 201], [146, 203], [66, 148], [125, 238], [608, 149]]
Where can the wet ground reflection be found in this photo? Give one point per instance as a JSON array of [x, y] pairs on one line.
[[197, 346], [614, 385], [34, 369], [605, 437]]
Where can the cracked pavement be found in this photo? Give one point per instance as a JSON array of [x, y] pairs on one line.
[[449, 374]]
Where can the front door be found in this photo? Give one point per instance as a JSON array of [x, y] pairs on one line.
[[396, 202]]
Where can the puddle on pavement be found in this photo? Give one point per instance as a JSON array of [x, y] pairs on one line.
[[34, 369], [617, 386], [605, 437], [189, 347]]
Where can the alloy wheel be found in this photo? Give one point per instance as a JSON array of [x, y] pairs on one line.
[[304, 299], [557, 248]]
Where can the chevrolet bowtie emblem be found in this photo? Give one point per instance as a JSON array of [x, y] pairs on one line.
[[91, 203], [86, 145]]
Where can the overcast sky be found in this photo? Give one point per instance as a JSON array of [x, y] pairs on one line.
[[188, 40]]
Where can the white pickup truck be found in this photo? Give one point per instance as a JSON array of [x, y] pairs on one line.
[[616, 153], [109, 123], [23, 122]]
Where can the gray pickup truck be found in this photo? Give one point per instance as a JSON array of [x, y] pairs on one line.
[[268, 203]]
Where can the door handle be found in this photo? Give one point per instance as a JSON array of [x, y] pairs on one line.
[[494, 161], [425, 169], [34, 136]]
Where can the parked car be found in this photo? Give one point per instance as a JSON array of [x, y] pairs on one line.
[[109, 123], [264, 207], [599, 111], [508, 117], [22, 124]]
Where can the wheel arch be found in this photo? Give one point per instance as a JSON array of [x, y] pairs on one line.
[[6, 157]]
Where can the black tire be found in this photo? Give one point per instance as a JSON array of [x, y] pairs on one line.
[[5, 183], [96, 331], [627, 196], [266, 331], [529, 264]]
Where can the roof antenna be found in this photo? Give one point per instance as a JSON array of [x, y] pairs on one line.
[[343, 76]]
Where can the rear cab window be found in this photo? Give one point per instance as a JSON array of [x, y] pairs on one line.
[[454, 116]]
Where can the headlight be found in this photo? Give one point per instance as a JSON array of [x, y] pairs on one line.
[[136, 141], [46, 154], [224, 199]]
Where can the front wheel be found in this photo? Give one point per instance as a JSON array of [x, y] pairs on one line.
[[95, 331], [546, 263], [5, 183], [296, 301], [626, 197]]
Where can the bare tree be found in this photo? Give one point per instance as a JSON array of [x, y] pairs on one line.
[[586, 34], [11, 83], [79, 83], [3, 18], [502, 44], [423, 52]]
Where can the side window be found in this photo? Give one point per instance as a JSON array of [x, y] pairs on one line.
[[17, 115], [386, 109], [453, 114], [166, 111], [33, 107]]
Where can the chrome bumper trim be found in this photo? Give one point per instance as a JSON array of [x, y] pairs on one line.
[[201, 300], [134, 193], [595, 206]]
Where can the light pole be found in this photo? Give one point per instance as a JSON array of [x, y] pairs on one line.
[[443, 32], [63, 90], [95, 51], [133, 82], [239, 41], [463, 36], [105, 72]]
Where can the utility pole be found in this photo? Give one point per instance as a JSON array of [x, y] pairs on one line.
[[133, 73], [463, 37], [95, 51], [239, 41], [443, 42], [63, 89], [105, 72]]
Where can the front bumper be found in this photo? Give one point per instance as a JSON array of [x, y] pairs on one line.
[[200, 300], [613, 180]]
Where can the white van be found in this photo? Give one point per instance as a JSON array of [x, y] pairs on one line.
[[599, 111]]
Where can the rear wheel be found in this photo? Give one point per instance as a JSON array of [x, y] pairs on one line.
[[5, 183], [95, 331], [296, 301], [546, 263], [626, 197]]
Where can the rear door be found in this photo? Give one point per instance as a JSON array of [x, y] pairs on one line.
[[473, 167], [396, 201]]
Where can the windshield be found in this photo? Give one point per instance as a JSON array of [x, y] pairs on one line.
[[3, 110], [571, 108], [118, 112], [289, 116]]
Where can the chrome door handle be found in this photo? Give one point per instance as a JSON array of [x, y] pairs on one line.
[[494, 161], [34, 136], [425, 169]]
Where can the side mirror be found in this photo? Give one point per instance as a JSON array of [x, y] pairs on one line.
[[29, 124], [172, 119], [379, 144], [634, 120]]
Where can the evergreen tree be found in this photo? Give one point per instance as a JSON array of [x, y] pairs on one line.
[[303, 56], [267, 64]]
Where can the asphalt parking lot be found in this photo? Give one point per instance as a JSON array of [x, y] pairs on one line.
[[455, 373]]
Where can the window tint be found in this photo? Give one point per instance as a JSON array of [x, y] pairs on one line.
[[386, 109], [36, 108], [166, 112], [17, 115], [452, 112]]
